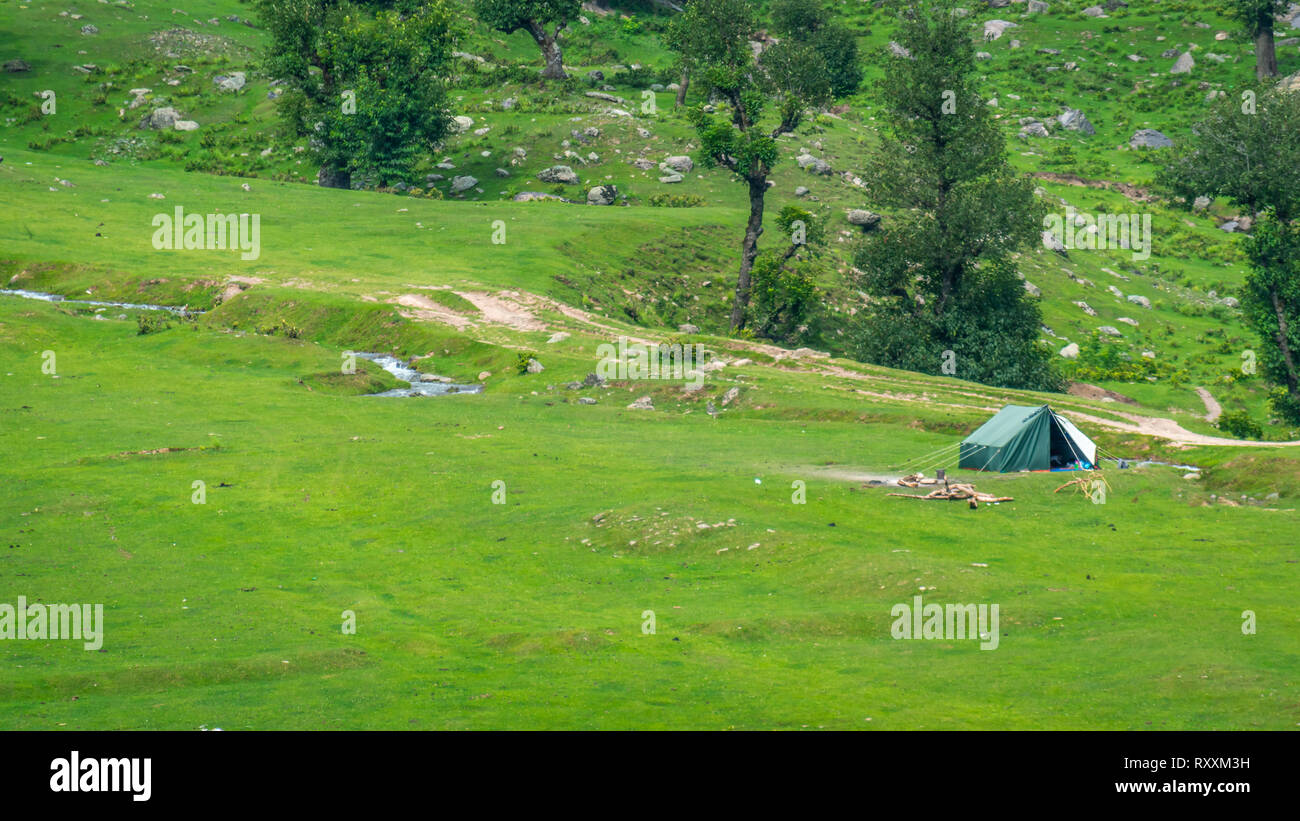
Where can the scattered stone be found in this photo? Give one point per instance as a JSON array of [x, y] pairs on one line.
[[1070, 351], [1073, 119], [1032, 288], [558, 173], [1184, 64], [234, 82], [678, 164], [644, 403], [993, 29], [89, 30], [863, 218], [558, 336], [687, 328], [586, 400], [17, 66], [161, 118], [1109, 330], [602, 195], [534, 366], [1149, 138], [1139, 300], [459, 184], [185, 125]]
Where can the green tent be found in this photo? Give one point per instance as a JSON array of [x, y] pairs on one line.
[[1027, 438]]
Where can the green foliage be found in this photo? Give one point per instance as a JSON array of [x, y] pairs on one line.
[[809, 22], [676, 200], [1240, 425], [151, 322], [366, 85], [940, 270]]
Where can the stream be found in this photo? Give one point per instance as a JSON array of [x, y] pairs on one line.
[[420, 384]]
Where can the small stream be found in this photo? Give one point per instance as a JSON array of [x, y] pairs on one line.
[[134, 306], [420, 384]]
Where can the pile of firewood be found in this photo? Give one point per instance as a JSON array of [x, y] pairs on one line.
[[949, 492]]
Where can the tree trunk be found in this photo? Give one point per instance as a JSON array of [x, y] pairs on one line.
[[681, 92], [330, 177], [551, 52], [749, 249], [1265, 55], [1283, 344]]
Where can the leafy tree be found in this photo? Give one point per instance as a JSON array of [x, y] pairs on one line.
[[543, 19], [1250, 155], [809, 22], [788, 77], [1258, 18], [939, 273], [366, 83], [785, 295]]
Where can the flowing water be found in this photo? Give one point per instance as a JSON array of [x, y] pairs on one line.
[[418, 386]]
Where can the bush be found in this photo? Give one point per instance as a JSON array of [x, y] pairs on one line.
[[150, 323], [676, 201], [1240, 425]]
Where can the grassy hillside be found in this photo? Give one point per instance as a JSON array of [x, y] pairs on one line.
[[770, 612]]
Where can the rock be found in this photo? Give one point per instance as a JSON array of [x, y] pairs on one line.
[[1149, 138], [89, 30], [502, 172], [593, 381], [586, 400], [1148, 354], [234, 82], [1231, 301], [459, 184], [1038, 7], [740, 363], [530, 196], [644, 403], [434, 178], [1094, 11], [591, 132], [602, 195], [185, 125], [801, 191], [687, 328], [644, 164], [897, 50], [1052, 243], [1109, 330], [1184, 64], [161, 118], [558, 173], [993, 29], [1192, 477], [1073, 119], [596, 76], [1201, 203], [678, 164], [1229, 226], [1031, 288], [1034, 129], [1139, 300], [1127, 320], [534, 366], [671, 178], [730, 396], [17, 66], [482, 375], [861, 217], [1070, 351], [509, 103], [1086, 308], [461, 123], [643, 133], [558, 336], [983, 55]]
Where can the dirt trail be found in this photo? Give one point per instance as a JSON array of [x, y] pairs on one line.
[[1213, 410], [515, 309]]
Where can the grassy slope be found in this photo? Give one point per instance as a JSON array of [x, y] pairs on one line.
[[480, 615]]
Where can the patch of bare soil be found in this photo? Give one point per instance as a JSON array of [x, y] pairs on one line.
[[1086, 391]]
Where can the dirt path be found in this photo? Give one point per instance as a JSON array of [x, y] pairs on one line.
[[1213, 410]]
